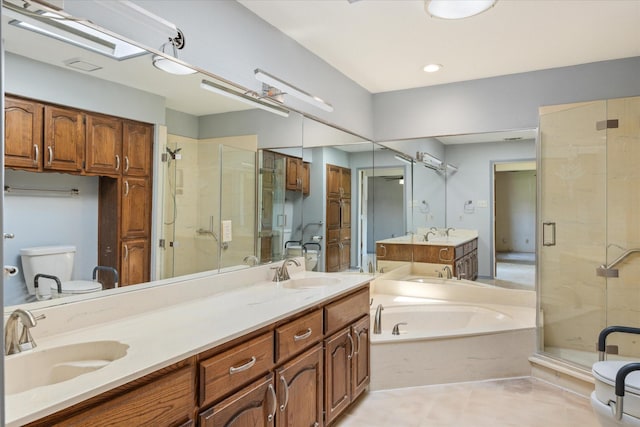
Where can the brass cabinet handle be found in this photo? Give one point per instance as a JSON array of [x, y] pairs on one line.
[[126, 188], [286, 393], [117, 162], [126, 163], [302, 336], [50, 155], [248, 365], [37, 154]]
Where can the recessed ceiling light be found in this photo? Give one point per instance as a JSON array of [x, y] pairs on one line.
[[432, 68], [457, 9]]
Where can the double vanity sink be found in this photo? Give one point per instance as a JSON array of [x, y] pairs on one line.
[[88, 347]]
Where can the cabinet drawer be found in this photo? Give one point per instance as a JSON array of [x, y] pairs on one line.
[[233, 368], [346, 310], [297, 335]]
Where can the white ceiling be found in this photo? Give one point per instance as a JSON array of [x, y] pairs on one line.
[[383, 45]]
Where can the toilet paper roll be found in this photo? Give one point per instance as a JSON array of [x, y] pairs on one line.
[[11, 270]]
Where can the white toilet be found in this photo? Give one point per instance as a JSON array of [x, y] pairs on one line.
[[604, 373], [56, 261]]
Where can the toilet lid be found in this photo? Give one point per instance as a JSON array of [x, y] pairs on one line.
[[78, 287], [606, 372]]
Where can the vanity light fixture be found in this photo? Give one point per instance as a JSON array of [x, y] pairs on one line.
[[286, 88], [457, 9], [168, 65], [429, 160], [70, 31], [250, 99]]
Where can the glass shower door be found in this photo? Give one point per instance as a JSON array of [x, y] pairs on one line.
[[572, 219]]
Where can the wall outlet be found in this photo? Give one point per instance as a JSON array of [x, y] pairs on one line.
[[482, 204]]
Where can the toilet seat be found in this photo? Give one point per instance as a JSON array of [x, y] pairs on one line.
[[75, 287], [605, 374]]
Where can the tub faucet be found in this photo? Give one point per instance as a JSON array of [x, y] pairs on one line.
[[282, 273], [447, 270], [377, 320], [14, 342]]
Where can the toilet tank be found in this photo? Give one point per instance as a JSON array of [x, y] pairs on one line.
[[54, 260]]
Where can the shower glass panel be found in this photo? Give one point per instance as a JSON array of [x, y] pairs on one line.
[[588, 211], [237, 205]]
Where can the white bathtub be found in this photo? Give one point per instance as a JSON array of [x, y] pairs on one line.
[[449, 341]]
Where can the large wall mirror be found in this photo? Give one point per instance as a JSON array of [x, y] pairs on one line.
[[206, 177]]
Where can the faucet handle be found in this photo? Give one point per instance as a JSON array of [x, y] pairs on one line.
[[276, 274], [396, 328]]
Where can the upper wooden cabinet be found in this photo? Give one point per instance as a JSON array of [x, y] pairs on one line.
[[137, 148], [104, 145], [23, 133], [64, 139], [297, 175]]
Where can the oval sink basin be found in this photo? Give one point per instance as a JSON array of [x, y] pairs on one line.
[[37, 368], [310, 282]]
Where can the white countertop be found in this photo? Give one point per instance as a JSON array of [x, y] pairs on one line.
[[455, 238], [162, 336]]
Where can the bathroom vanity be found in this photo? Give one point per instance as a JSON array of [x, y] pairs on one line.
[[233, 346], [457, 251]]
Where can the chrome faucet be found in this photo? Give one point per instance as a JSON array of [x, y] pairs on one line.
[[377, 320], [282, 273], [15, 342], [426, 236], [447, 270]]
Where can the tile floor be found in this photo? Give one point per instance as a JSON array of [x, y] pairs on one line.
[[521, 402]]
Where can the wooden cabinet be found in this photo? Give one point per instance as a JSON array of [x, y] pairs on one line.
[[297, 173], [295, 336], [338, 228], [134, 266], [166, 399], [64, 139], [23, 121], [346, 357], [103, 151], [394, 252], [253, 406], [42, 137], [137, 148], [300, 387]]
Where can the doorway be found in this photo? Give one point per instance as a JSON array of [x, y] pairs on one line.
[[514, 220]]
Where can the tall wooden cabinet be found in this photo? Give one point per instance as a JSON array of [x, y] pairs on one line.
[[338, 251], [41, 137]]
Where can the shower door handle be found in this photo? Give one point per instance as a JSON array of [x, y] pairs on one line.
[[551, 240]]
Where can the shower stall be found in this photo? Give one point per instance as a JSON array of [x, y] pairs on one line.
[[208, 204], [589, 222]]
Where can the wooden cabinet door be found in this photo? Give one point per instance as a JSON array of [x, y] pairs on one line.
[[136, 207], [135, 262], [253, 406], [333, 257], [345, 213], [64, 139], [103, 153], [345, 183], [306, 178], [339, 350], [299, 387], [360, 360], [333, 181], [333, 214], [345, 255], [23, 134], [137, 148], [294, 174]]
